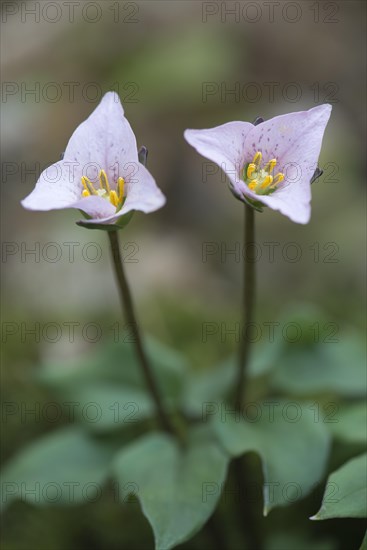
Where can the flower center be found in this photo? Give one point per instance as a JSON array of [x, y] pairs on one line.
[[115, 197], [261, 180]]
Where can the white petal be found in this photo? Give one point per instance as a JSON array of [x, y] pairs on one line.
[[289, 204], [96, 207], [224, 145], [54, 189], [105, 141], [295, 141]]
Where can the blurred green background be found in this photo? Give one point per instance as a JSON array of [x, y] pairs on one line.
[[162, 58]]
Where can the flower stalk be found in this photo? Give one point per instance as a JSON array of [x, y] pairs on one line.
[[129, 311], [241, 466], [247, 304]]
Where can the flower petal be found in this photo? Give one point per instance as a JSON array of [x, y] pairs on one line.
[[224, 145], [295, 141], [105, 141], [297, 207], [96, 207], [142, 194], [54, 189]]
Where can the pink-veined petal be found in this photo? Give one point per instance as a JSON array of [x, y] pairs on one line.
[[55, 189], [105, 141], [224, 145], [295, 141], [143, 193], [96, 207], [296, 207]]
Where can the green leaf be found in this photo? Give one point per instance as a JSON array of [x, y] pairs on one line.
[[216, 383], [108, 386], [212, 385], [310, 354], [64, 467], [322, 367], [105, 406], [346, 491], [292, 445], [178, 488], [351, 423], [364, 542]]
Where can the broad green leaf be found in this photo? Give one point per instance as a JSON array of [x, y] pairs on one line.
[[209, 386], [364, 542], [215, 384], [351, 423], [106, 406], [293, 446], [109, 385], [64, 467], [322, 367], [313, 355], [178, 488], [117, 363], [346, 491]]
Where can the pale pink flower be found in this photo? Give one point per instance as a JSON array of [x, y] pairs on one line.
[[100, 173], [271, 163]]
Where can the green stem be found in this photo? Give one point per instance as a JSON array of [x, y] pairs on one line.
[[247, 513], [247, 305], [128, 307]]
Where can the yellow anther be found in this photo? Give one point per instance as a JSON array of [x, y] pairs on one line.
[[84, 182], [121, 188], [114, 198], [270, 165], [267, 181], [103, 181], [250, 169], [278, 178], [257, 159], [252, 185], [88, 185]]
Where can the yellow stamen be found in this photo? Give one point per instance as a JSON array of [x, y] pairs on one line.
[[267, 181], [257, 159], [84, 182], [121, 188], [88, 185], [252, 185], [278, 178], [270, 165], [250, 169], [114, 198], [103, 181]]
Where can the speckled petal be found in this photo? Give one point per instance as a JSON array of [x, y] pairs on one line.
[[96, 207], [295, 141], [55, 189], [224, 145], [104, 141]]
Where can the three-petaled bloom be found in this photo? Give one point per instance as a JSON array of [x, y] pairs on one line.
[[271, 163], [100, 173]]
